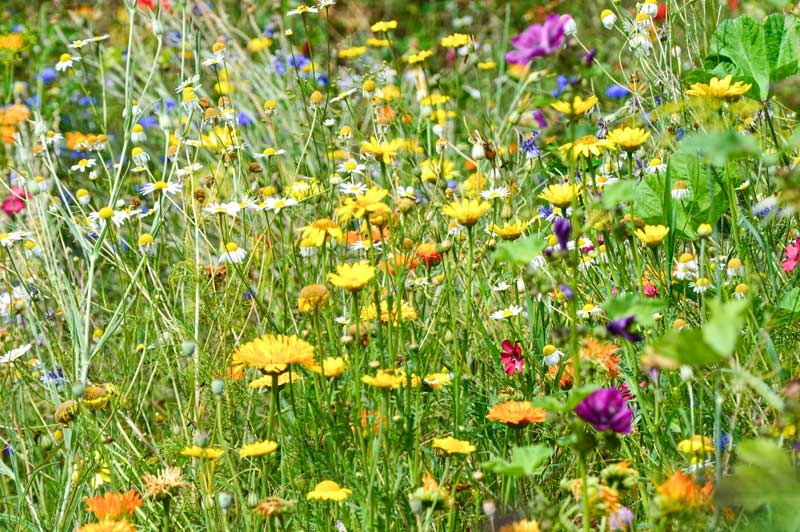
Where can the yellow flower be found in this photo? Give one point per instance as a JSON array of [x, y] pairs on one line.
[[331, 367], [432, 169], [719, 88], [259, 44], [524, 525], [352, 52], [437, 380], [487, 65], [328, 490], [577, 107], [384, 26], [407, 313], [586, 146], [387, 378], [283, 380], [97, 396], [466, 211], [697, 444], [419, 57], [652, 235], [382, 151], [456, 40], [378, 43], [259, 448], [312, 297], [272, 353], [561, 194], [434, 99], [451, 445], [628, 138], [315, 234], [352, 277], [195, 451], [509, 231], [368, 203]]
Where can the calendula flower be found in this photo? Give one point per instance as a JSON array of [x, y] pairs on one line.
[[680, 493], [383, 26], [259, 448], [451, 445], [419, 57], [455, 40], [381, 150], [352, 277], [283, 380], [113, 506], [524, 525], [560, 195], [273, 506], [387, 314], [328, 490], [719, 88], [366, 204], [466, 211], [586, 146], [195, 451], [509, 231], [652, 235], [312, 297], [97, 396], [122, 525], [321, 231], [391, 379], [577, 107], [628, 138], [273, 353], [516, 413], [330, 367]]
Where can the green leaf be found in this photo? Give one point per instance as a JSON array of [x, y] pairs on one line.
[[549, 403], [6, 471], [721, 332], [718, 149], [576, 395], [755, 53], [627, 304], [520, 252], [525, 461], [686, 347], [618, 192]]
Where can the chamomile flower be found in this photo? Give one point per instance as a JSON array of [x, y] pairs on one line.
[[139, 156], [301, 10], [351, 166], [501, 286], [101, 217], [590, 310], [268, 152], [82, 196], [233, 254], [276, 204], [83, 165], [188, 170], [146, 243], [509, 312], [167, 187], [735, 268], [680, 190], [741, 291], [608, 18], [495, 193], [137, 134], [551, 355], [353, 189], [8, 239], [700, 285], [230, 208], [65, 61], [655, 166], [686, 268]]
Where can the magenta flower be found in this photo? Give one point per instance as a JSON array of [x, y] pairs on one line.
[[792, 252], [14, 203], [606, 409], [538, 40], [511, 357]]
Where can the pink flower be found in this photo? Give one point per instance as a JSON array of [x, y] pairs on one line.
[[650, 290], [538, 40], [14, 203], [511, 357], [792, 253]]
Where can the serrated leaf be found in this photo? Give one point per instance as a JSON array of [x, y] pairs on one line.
[[520, 252]]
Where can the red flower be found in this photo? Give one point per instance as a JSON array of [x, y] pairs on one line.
[[511, 357], [650, 290], [14, 203], [792, 253]]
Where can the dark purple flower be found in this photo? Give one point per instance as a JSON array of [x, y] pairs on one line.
[[621, 327], [538, 115], [606, 409], [562, 230], [511, 357], [567, 291], [538, 40], [588, 57]]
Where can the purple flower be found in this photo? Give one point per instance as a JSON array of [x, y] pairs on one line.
[[606, 409], [538, 40], [567, 291], [622, 519], [538, 115], [621, 327], [562, 230]]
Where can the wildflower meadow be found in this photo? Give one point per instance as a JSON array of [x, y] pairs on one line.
[[503, 266]]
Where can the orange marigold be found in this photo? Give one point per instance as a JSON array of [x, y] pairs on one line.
[[516, 413], [114, 505], [681, 492]]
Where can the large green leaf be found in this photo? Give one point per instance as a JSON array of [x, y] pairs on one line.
[[525, 461], [755, 53], [721, 332], [717, 149], [520, 252]]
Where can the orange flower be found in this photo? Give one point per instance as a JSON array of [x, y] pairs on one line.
[[516, 413], [602, 354], [681, 492], [114, 505], [401, 261], [428, 253]]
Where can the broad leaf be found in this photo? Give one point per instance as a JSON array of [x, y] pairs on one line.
[[686, 347], [721, 332], [525, 461], [626, 304], [520, 252]]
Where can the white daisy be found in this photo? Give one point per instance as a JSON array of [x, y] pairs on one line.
[[511, 311], [233, 254], [352, 189], [15, 353], [66, 61], [167, 187], [83, 165]]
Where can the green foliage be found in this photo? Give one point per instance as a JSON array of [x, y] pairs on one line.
[[525, 461], [520, 252], [759, 54]]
